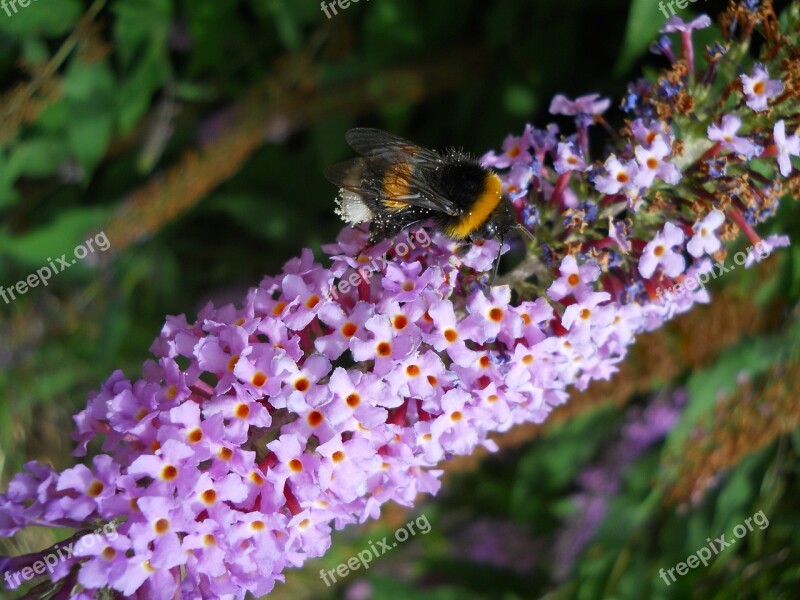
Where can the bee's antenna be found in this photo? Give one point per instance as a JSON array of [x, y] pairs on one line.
[[524, 230]]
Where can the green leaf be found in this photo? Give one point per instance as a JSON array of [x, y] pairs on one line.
[[61, 236], [140, 23], [39, 157], [137, 89], [89, 138], [8, 195], [90, 91], [39, 18], [88, 81], [736, 495], [644, 22]]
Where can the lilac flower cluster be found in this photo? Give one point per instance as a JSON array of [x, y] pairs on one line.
[[261, 428]]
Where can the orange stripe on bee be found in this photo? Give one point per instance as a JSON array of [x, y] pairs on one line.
[[396, 184], [481, 208]]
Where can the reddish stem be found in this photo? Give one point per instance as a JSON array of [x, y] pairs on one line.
[[739, 219], [561, 185], [688, 54]]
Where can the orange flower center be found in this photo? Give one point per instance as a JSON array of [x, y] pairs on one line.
[[95, 488], [161, 526], [412, 370], [242, 411]]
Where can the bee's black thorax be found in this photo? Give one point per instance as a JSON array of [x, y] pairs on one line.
[[462, 181]]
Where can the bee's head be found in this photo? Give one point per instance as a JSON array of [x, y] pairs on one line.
[[499, 222]]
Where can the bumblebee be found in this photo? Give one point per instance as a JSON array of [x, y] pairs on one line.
[[396, 184]]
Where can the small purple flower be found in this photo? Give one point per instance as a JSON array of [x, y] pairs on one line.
[[663, 47], [764, 248], [725, 133], [676, 24], [575, 281], [659, 252], [667, 89], [517, 181], [619, 177], [515, 151], [568, 158], [759, 88], [591, 104], [705, 240], [543, 140], [653, 163], [787, 146], [585, 315], [647, 133], [618, 232]]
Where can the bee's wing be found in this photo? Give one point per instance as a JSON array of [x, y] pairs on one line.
[[376, 143], [348, 175], [383, 152], [422, 194]]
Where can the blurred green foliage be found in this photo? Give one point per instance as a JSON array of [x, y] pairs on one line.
[[102, 101]]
